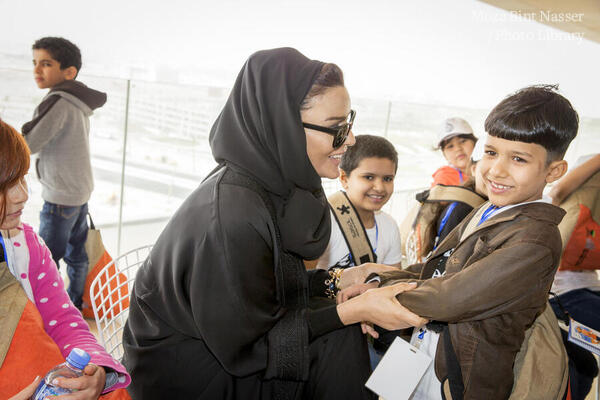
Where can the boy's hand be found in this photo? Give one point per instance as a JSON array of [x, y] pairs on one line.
[[367, 328], [380, 307], [386, 311], [354, 275], [354, 291], [26, 393], [89, 386]]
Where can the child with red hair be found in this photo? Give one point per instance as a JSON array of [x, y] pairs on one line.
[[40, 325]]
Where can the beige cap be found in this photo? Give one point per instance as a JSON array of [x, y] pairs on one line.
[[453, 127]]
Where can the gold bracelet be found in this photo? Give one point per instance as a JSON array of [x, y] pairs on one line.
[[333, 283]]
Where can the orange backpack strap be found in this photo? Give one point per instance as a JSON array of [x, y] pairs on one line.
[[580, 228]]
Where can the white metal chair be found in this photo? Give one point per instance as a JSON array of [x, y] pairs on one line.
[[109, 294]]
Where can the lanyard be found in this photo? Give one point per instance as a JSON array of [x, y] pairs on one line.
[[376, 241], [451, 208], [419, 340], [487, 213], [376, 237], [3, 249], [460, 175]]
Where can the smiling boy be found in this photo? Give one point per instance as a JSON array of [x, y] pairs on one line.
[[59, 134], [500, 261], [367, 172]]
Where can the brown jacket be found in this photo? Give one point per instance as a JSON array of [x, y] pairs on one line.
[[496, 283]]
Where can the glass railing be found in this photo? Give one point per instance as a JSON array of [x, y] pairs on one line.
[[149, 148]]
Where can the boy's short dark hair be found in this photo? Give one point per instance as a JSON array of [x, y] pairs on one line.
[[536, 114], [368, 146], [62, 50]]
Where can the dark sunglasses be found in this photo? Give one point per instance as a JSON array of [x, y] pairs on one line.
[[339, 133]]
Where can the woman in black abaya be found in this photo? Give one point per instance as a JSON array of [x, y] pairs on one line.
[[220, 309]]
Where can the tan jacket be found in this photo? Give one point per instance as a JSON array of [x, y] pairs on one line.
[[496, 283], [541, 367]]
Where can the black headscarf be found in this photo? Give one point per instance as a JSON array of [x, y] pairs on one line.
[[260, 132]]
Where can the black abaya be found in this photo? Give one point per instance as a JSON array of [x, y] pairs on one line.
[[210, 297]]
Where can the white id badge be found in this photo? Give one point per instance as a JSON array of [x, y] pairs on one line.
[[399, 371]]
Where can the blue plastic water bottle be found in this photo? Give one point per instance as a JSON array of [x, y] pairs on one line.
[[72, 368]]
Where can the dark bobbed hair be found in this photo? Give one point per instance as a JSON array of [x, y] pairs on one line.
[[14, 161], [62, 50], [330, 76], [536, 114], [368, 146], [469, 136]]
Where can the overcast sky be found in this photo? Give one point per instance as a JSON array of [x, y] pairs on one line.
[[462, 52]]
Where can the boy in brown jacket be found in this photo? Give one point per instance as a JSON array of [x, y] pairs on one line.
[[497, 266]]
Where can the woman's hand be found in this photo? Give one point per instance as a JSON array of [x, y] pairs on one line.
[[354, 275], [380, 307], [354, 290], [89, 386], [26, 393]]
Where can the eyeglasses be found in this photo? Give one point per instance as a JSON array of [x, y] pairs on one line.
[[339, 133]]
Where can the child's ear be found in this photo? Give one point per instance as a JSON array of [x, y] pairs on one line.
[[473, 168], [344, 179], [69, 73], [556, 170]]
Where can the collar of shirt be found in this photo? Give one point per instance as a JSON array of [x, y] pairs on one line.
[[544, 199]]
